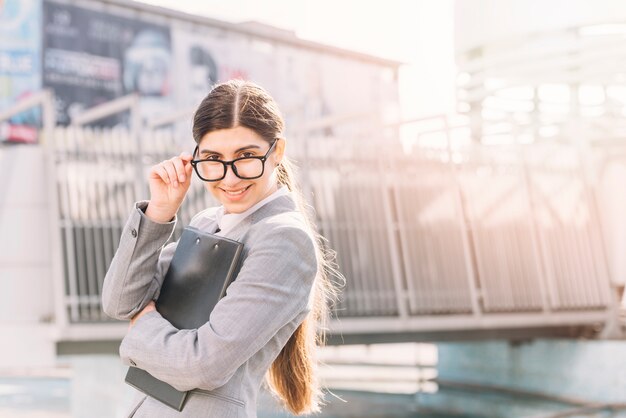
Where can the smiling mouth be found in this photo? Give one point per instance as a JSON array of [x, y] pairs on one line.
[[237, 192]]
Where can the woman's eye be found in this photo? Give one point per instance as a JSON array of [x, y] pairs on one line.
[[212, 157], [247, 154]]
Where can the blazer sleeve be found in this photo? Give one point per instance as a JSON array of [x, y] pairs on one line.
[[137, 269], [272, 288]]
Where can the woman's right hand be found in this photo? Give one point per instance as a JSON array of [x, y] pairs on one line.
[[169, 181]]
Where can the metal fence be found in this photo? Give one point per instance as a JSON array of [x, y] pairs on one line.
[[504, 229], [499, 229]]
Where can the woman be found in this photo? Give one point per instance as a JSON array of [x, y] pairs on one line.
[[266, 324]]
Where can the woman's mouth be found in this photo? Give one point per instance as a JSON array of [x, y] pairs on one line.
[[236, 194]]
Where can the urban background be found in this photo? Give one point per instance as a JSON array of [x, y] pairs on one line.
[[464, 159]]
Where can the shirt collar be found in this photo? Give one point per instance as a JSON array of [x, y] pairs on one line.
[[227, 221]]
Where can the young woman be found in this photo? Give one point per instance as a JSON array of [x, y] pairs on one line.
[[266, 326]]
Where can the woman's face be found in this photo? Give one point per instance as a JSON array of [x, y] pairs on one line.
[[231, 143]]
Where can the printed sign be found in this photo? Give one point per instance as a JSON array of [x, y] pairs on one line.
[[91, 57]]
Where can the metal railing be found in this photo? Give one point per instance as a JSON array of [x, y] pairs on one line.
[[532, 87], [97, 174], [501, 230]]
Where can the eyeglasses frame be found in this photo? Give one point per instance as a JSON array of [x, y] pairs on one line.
[[231, 163]]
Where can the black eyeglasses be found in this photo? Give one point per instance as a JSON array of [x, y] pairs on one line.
[[246, 168]]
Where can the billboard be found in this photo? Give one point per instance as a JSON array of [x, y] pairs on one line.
[[20, 49], [91, 57]]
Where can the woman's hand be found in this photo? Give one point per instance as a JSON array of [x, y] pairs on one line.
[[169, 181], [151, 306]]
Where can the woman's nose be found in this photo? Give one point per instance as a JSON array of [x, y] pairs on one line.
[[230, 178]]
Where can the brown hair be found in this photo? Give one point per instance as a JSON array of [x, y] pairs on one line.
[[292, 376]]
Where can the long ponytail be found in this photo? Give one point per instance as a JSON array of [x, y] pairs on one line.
[[293, 376]]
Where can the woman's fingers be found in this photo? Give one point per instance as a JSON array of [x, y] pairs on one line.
[[180, 169], [175, 170], [171, 172], [160, 170]]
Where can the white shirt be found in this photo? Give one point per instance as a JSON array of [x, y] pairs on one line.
[[227, 221]]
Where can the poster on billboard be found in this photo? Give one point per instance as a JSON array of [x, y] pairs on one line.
[[91, 57], [20, 48], [206, 56], [204, 59]]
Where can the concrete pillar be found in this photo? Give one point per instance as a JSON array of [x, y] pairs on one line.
[[26, 291]]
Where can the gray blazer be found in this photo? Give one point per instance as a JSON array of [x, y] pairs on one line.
[[224, 361]]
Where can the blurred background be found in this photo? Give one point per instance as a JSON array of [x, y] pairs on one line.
[[464, 158]]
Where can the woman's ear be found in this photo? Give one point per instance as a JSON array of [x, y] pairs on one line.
[[280, 150]]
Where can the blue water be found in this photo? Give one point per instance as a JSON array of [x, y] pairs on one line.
[[34, 397]]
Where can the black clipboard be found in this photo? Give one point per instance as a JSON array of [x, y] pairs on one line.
[[202, 268]]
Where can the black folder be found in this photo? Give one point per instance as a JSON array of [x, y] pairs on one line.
[[201, 269]]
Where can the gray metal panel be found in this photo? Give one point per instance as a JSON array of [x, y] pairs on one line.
[[431, 235], [498, 209], [352, 214], [569, 229]]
